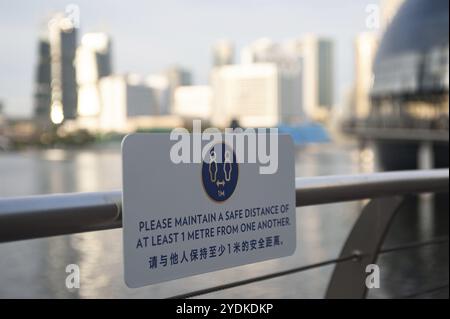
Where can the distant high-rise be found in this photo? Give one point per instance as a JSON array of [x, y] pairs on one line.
[[313, 56], [56, 89], [318, 75], [176, 77], [93, 61], [366, 45], [255, 94], [2, 121], [93, 57], [63, 43], [223, 53], [159, 83], [42, 94], [262, 51], [126, 98]]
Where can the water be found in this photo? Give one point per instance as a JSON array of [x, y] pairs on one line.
[[36, 268]]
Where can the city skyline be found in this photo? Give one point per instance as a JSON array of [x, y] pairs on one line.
[[18, 56], [267, 87]]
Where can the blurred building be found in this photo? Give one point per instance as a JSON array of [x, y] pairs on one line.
[[413, 55], [42, 88], [365, 46], [318, 75], [56, 67], [261, 51], [314, 56], [255, 94], [4, 140], [2, 117], [194, 101], [176, 76], [411, 84], [223, 53], [125, 99], [265, 50], [93, 61], [159, 83]]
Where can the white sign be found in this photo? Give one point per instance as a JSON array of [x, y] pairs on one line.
[[183, 219]]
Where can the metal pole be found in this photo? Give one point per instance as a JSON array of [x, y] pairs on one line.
[[51, 215], [331, 189]]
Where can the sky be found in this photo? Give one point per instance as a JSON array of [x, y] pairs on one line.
[[149, 36]]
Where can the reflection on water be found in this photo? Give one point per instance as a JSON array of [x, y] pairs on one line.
[[36, 268], [421, 218]]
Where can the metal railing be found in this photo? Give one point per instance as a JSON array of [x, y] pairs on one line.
[[61, 214]]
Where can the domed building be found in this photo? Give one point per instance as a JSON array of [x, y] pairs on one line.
[[411, 84]]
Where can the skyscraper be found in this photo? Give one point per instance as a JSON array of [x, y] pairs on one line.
[[365, 48], [93, 61], [176, 77], [56, 90], [318, 75], [125, 98], [42, 94], [223, 53], [263, 50], [160, 85], [314, 57], [63, 43]]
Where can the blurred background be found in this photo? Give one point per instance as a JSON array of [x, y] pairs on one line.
[[361, 86]]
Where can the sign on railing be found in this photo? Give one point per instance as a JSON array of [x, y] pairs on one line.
[[182, 219]]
